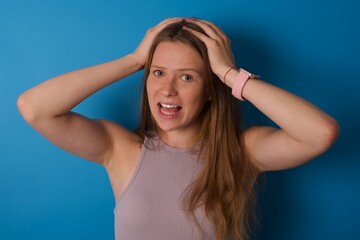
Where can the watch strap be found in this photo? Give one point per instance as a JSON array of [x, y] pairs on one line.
[[240, 81]]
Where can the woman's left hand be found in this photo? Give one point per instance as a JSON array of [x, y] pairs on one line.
[[218, 45]]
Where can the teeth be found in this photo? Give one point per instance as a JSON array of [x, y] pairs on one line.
[[168, 106], [168, 113]]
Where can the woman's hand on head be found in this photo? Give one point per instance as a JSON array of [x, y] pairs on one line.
[[142, 51], [218, 45]]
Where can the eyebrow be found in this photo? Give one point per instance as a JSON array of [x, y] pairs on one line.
[[181, 69]]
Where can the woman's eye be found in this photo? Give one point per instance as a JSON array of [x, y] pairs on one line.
[[186, 77], [158, 73]]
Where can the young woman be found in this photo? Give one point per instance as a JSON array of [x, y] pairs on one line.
[[189, 171]]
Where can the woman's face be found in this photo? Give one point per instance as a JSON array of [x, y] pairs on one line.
[[176, 87]]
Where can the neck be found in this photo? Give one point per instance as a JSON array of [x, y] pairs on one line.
[[178, 139]]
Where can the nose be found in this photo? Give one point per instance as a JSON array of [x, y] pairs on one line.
[[169, 87]]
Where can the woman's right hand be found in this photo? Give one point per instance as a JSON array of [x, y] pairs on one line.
[[142, 51]]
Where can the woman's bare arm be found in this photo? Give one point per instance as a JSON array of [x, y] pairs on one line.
[[47, 108], [305, 130]]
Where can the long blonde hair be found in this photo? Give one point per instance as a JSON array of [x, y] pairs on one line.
[[225, 187]]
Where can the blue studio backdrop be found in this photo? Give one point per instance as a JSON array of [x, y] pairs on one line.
[[309, 47]]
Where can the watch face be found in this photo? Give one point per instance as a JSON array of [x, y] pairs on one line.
[[250, 74]]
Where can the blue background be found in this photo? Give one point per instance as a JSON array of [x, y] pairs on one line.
[[309, 47]]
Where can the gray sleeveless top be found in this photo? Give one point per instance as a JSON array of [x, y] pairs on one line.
[[151, 205]]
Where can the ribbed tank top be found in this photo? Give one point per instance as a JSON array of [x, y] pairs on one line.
[[151, 207]]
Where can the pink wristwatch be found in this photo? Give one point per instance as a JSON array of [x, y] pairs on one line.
[[239, 83]]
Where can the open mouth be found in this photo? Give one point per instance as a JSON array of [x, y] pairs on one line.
[[169, 109]]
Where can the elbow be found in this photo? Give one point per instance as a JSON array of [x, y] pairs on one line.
[[327, 135], [25, 108]]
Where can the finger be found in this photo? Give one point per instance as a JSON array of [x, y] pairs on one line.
[[168, 21], [208, 41], [211, 42], [213, 32], [210, 24], [160, 26], [210, 29], [199, 35]]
